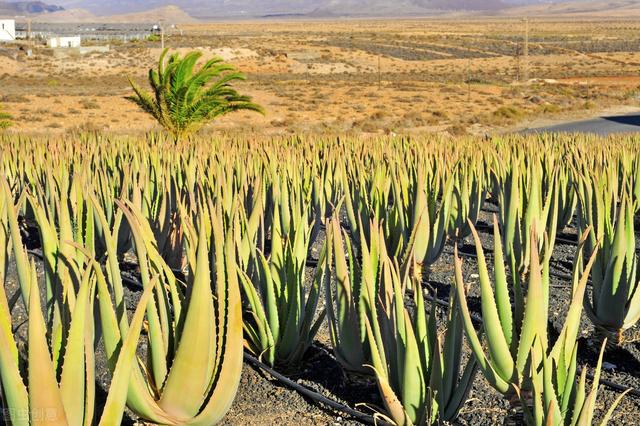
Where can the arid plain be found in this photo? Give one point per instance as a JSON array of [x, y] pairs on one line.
[[385, 76]]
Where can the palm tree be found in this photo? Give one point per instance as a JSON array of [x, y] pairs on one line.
[[5, 119], [183, 99]]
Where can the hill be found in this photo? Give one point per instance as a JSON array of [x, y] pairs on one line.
[[171, 14], [584, 8], [64, 16], [261, 8], [184, 11], [10, 9]]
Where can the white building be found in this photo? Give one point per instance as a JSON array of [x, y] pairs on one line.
[[7, 29], [55, 42]]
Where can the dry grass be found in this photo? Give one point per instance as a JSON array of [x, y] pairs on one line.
[[324, 76]]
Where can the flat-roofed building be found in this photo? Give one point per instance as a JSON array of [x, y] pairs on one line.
[[64, 42]]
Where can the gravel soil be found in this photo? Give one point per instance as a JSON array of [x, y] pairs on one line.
[[263, 400]]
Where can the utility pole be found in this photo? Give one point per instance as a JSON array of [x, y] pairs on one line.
[[518, 71], [525, 52], [379, 74], [469, 81], [29, 38], [29, 41], [161, 22]]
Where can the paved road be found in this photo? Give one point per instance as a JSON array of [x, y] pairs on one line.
[[629, 123]]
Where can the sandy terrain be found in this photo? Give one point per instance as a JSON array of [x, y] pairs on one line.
[[408, 76]]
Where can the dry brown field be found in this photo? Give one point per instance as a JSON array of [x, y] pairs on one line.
[[351, 76]]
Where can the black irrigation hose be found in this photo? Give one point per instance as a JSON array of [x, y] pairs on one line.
[[475, 317], [561, 240], [564, 277], [613, 385], [311, 394]]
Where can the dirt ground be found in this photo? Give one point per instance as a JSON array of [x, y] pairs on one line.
[[359, 76]]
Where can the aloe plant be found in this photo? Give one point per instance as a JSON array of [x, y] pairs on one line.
[[282, 320], [516, 332], [614, 304], [567, 198], [525, 199], [414, 209], [195, 344], [5, 120], [353, 298], [559, 398], [57, 390], [429, 221], [419, 373], [469, 194]]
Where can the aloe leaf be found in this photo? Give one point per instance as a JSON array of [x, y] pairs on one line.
[[474, 341], [117, 396], [45, 401], [497, 343], [72, 383], [189, 377], [229, 361]]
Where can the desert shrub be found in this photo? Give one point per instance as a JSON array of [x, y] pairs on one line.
[[549, 108], [508, 112], [89, 104]]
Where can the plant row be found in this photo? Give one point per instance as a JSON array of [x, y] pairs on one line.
[[258, 244]]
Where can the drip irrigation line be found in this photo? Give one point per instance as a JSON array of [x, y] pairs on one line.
[[475, 317], [126, 277], [613, 385], [561, 240], [311, 394], [564, 277]]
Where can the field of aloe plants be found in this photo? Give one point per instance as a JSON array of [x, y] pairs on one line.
[[440, 278]]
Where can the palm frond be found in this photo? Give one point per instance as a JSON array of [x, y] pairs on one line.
[[184, 99]]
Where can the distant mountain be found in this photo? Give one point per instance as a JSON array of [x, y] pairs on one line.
[[397, 7], [184, 10], [27, 8], [580, 8], [259, 8], [66, 16], [169, 14]]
